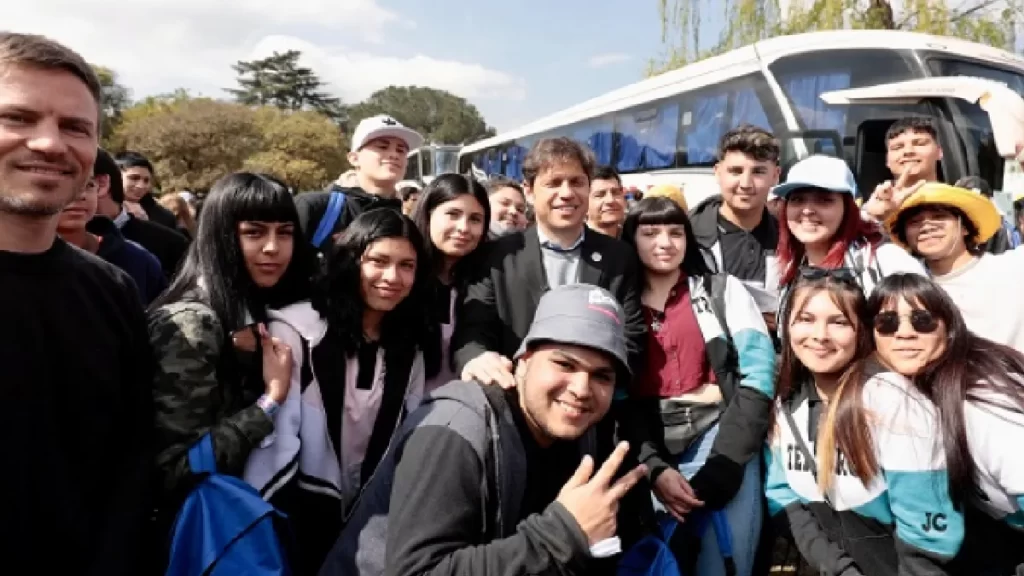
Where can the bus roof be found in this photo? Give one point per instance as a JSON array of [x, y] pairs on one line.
[[744, 61]]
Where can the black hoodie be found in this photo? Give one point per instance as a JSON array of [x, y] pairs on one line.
[[313, 205]]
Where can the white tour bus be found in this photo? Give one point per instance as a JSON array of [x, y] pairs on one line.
[[429, 161], [825, 92]]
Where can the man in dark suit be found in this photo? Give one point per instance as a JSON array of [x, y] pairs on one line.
[[558, 250], [167, 245]]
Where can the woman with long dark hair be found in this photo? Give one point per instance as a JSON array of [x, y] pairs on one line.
[[453, 215], [855, 469], [978, 387], [359, 372], [218, 369], [700, 407]]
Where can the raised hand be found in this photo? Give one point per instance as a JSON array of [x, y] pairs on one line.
[[593, 499]]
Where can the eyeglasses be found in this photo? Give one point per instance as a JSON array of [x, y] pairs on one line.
[[922, 321], [839, 274]]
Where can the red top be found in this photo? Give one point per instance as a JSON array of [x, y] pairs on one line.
[[677, 361]]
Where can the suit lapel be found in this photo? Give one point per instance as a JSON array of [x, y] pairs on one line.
[[592, 261], [535, 277]]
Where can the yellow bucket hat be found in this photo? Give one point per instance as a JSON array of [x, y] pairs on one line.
[[667, 191], [982, 213]]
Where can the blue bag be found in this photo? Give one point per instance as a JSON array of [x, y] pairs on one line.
[[224, 527], [651, 556]]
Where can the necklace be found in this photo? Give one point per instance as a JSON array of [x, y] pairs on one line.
[[657, 321]]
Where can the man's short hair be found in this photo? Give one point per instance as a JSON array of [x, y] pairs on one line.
[[758, 143], [911, 124], [34, 51], [607, 173], [495, 183], [130, 159], [550, 151], [106, 166], [406, 192]]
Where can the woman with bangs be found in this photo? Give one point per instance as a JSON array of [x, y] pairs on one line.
[[978, 387], [218, 369], [358, 370], [854, 462], [700, 408], [453, 215], [823, 227]]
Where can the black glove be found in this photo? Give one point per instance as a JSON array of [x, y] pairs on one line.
[[717, 482]]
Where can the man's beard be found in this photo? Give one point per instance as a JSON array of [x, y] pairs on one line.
[[31, 207]]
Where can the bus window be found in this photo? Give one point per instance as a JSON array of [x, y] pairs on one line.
[[514, 156], [412, 167], [647, 137], [706, 115], [599, 135], [804, 77], [427, 162], [446, 160]]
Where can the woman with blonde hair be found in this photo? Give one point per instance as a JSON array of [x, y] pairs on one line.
[[182, 213]]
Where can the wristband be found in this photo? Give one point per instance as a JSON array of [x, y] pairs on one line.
[[268, 405]]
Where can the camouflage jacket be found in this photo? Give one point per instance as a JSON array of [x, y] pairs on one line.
[[191, 397]]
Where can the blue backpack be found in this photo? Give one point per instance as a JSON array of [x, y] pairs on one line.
[[224, 527]]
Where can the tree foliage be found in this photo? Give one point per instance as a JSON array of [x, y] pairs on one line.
[[116, 97], [746, 21], [304, 149], [278, 80], [193, 142], [442, 117]]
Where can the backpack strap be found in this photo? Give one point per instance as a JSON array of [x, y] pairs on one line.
[[330, 218], [200, 456]]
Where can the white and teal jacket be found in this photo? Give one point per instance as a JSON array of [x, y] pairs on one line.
[[902, 522], [995, 434], [740, 351]]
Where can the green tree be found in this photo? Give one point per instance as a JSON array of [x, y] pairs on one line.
[[442, 117], [986, 21], [305, 149], [278, 80], [116, 98], [193, 142]]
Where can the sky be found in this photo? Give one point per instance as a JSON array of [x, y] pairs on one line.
[[516, 61]]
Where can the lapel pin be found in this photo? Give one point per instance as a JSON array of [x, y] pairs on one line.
[[596, 256]]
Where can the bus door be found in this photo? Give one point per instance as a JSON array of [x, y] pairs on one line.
[[1000, 115]]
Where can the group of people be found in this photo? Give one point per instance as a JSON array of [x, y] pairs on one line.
[[536, 377]]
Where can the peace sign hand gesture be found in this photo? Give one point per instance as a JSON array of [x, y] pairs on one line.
[[594, 501]]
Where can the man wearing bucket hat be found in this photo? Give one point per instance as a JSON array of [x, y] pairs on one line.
[[947, 226], [517, 462]]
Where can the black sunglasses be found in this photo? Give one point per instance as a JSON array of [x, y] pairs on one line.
[[922, 321], [839, 274]]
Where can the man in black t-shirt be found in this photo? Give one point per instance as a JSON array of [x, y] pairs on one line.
[[75, 362]]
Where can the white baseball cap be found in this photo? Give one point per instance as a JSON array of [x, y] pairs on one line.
[[381, 127]]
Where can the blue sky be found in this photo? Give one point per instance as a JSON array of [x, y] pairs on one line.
[[516, 61]]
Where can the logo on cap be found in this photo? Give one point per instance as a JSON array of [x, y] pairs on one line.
[[599, 297], [389, 121]]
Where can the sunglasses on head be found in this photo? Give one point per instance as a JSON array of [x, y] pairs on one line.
[[840, 274], [922, 321]]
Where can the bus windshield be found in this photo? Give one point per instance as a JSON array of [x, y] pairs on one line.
[[446, 160]]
